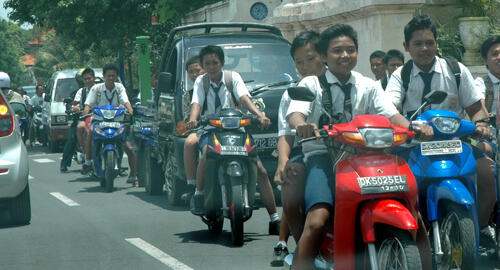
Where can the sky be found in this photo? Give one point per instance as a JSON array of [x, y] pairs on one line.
[[3, 12]]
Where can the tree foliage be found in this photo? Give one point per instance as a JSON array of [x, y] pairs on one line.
[[12, 41]]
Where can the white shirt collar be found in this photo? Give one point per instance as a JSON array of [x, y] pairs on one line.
[[213, 84], [435, 67], [330, 78]]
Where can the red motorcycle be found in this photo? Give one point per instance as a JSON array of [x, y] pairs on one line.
[[376, 196]]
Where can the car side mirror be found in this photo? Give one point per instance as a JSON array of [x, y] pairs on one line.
[[435, 97], [165, 82], [301, 93], [46, 98], [67, 100]]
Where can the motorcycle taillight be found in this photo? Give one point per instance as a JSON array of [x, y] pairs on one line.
[[6, 119]]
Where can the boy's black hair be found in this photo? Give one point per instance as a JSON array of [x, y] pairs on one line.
[[377, 54], [304, 38], [193, 60], [487, 44], [394, 54], [422, 22], [110, 66], [89, 71], [212, 49], [335, 31]]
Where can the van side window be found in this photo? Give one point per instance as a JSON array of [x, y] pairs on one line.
[[172, 66]]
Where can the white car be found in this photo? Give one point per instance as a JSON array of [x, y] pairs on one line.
[[14, 188]]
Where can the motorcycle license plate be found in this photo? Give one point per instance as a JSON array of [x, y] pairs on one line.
[[233, 150], [109, 125], [441, 147], [382, 184], [264, 143]]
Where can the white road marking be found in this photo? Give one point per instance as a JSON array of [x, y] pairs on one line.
[[64, 199], [30, 177], [158, 254], [43, 160]]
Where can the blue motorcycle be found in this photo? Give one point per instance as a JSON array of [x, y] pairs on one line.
[[445, 169], [22, 117], [109, 134], [150, 172]]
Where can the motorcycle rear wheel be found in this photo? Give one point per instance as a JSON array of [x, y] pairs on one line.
[[458, 239], [398, 250], [237, 211], [109, 170]]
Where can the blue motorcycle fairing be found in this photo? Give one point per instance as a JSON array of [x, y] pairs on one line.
[[466, 127], [119, 111], [443, 166], [449, 189]]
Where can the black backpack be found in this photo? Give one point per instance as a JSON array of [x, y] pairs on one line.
[[406, 72]]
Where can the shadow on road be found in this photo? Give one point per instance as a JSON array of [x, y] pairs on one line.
[[5, 221], [160, 201], [85, 179], [99, 189], [224, 239]]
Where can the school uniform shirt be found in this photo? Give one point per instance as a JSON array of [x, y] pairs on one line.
[[37, 101], [442, 80], [496, 87], [239, 90], [367, 97], [283, 126], [78, 96], [100, 96]]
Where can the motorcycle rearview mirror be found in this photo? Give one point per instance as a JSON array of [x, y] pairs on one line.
[[434, 97], [165, 82], [67, 100], [301, 93], [46, 98], [37, 108]]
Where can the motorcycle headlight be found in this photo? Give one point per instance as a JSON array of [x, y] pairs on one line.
[[99, 131], [377, 137], [108, 114], [446, 125], [230, 122]]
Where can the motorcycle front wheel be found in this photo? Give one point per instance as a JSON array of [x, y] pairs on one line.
[[237, 211], [109, 170], [398, 250], [458, 240]]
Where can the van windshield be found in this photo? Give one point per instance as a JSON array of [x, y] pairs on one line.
[[65, 88], [258, 64]]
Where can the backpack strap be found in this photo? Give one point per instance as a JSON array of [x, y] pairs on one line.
[[455, 68], [83, 97], [228, 81], [206, 87], [489, 95], [405, 77], [327, 100]]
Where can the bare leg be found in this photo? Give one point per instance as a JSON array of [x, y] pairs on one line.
[[80, 133], [191, 155], [266, 191], [200, 169], [292, 196], [485, 189], [284, 230], [132, 158], [423, 244], [307, 247]]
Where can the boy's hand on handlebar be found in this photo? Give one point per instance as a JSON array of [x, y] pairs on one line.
[[306, 130], [191, 124], [264, 122], [484, 132], [425, 132], [76, 108]]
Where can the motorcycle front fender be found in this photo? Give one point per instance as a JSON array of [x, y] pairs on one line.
[[449, 189], [387, 211]]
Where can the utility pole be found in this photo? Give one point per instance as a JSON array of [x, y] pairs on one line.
[[143, 49]]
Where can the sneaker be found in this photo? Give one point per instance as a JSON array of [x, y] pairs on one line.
[[274, 227], [64, 169], [86, 169], [198, 205], [486, 238], [279, 254], [132, 179]]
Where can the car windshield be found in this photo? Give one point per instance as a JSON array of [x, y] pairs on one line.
[[258, 64], [65, 88]]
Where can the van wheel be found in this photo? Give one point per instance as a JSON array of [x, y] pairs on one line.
[[20, 207], [173, 185]]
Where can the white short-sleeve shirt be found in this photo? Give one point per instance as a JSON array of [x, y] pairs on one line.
[[239, 90], [283, 126], [78, 95], [442, 80], [99, 95], [367, 97], [496, 87]]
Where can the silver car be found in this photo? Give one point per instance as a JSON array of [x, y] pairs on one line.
[[14, 188]]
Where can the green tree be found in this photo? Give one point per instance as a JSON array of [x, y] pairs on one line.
[[12, 39]]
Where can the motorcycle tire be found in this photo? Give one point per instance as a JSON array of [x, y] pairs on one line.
[[141, 168], [173, 185], [237, 212], [109, 170], [457, 237], [397, 250]]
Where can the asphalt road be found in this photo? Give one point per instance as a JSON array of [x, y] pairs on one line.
[[75, 225]]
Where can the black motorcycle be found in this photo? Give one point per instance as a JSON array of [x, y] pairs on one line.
[[230, 172]]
